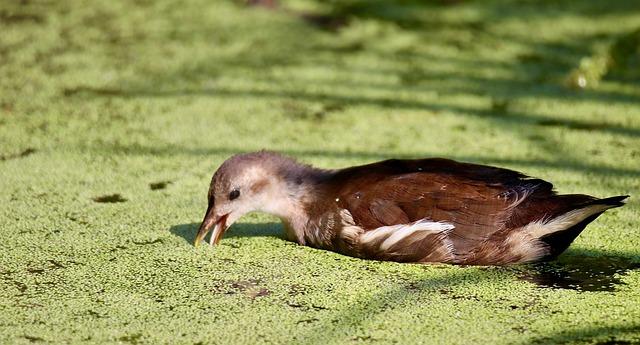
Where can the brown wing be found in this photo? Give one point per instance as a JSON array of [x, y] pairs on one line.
[[477, 200]]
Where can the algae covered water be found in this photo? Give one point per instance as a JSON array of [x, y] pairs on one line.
[[114, 115]]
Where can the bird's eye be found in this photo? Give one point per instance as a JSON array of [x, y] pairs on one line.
[[234, 194]]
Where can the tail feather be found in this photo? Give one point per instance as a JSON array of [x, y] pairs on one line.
[[614, 201], [562, 230]]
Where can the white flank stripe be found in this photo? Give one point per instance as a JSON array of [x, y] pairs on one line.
[[396, 233]]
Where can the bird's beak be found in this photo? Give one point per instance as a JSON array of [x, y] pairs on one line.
[[210, 219]]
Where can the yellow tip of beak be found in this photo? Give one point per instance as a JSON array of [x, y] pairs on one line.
[[198, 240], [219, 228], [199, 237]]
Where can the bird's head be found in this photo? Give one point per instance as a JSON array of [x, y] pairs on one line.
[[260, 181]]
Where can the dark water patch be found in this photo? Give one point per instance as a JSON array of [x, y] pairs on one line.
[[30, 305], [7, 107], [450, 294], [366, 338], [460, 128], [118, 247], [258, 293], [519, 329], [306, 307], [318, 307], [220, 287], [345, 48], [55, 264], [111, 198], [295, 290], [25, 153], [571, 125], [500, 106], [537, 137], [76, 219], [302, 111], [244, 284], [617, 143], [159, 185], [614, 341], [330, 21], [98, 91], [144, 243], [250, 288], [295, 305], [263, 3], [35, 270], [332, 107], [7, 277], [608, 335], [581, 273], [32, 338], [52, 232], [530, 58], [16, 18], [625, 57], [131, 338], [22, 287], [94, 314], [413, 75]]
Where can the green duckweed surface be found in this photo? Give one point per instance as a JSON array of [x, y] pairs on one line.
[[114, 115]]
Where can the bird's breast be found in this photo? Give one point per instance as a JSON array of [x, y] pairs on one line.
[[333, 230]]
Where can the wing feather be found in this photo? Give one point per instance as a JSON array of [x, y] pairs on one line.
[[478, 200]]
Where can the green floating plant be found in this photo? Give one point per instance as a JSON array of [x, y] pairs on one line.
[[621, 60], [589, 73]]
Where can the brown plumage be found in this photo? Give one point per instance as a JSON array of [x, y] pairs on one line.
[[425, 210]]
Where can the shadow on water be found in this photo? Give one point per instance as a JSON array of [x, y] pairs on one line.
[[111, 198], [25, 153], [564, 163], [497, 117], [159, 185], [581, 271], [351, 316], [577, 269], [188, 231], [609, 335]]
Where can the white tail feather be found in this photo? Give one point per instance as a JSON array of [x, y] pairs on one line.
[[542, 228]]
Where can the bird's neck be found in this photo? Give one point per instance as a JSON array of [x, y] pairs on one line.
[[297, 192]]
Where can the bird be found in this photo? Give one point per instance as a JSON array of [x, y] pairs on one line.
[[432, 210]]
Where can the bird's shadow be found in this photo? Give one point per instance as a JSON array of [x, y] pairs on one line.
[[272, 229], [576, 269]]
